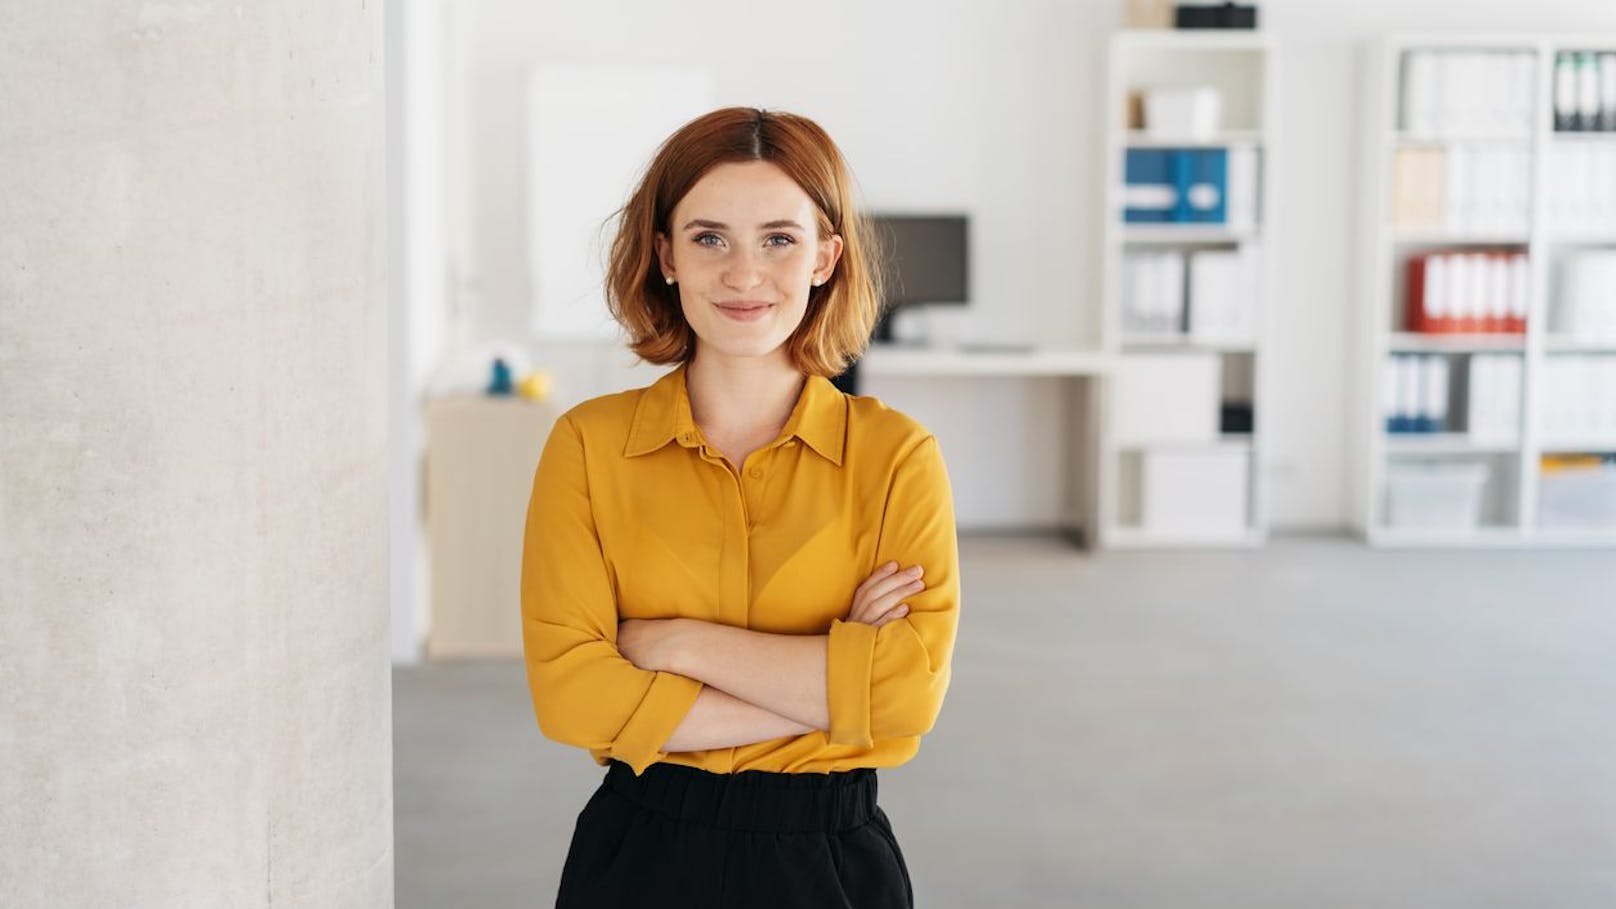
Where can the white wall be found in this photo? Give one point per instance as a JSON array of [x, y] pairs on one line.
[[993, 109], [418, 261]]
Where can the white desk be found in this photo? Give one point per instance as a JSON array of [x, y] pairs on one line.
[[903, 360], [1078, 507]]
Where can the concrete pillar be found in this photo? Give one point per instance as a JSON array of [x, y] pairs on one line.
[[194, 679]]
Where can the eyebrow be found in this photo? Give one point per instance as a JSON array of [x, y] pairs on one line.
[[719, 225]]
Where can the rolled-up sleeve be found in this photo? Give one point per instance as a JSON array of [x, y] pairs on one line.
[[889, 682], [585, 693]]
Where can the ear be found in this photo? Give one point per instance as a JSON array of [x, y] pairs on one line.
[[664, 253], [830, 252]]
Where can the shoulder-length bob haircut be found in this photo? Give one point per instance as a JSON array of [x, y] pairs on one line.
[[841, 312]]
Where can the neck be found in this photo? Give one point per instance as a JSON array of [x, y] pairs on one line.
[[742, 395]]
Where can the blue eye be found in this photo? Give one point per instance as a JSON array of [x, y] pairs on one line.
[[701, 240]]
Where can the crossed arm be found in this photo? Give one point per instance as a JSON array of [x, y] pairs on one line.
[[787, 673], [756, 686]]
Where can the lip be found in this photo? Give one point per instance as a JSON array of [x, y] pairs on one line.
[[744, 310]]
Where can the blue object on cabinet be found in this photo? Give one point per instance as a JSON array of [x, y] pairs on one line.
[[499, 379]]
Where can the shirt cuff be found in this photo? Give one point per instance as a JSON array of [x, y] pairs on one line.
[[849, 656], [663, 708]]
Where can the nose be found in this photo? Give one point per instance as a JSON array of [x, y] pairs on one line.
[[742, 271]]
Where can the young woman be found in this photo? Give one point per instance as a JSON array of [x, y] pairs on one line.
[[740, 585]]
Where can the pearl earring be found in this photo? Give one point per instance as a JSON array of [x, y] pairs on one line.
[[668, 278]]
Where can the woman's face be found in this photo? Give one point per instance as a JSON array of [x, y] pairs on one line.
[[743, 247]]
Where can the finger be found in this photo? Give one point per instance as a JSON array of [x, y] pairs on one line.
[[874, 607], [880, 596], [899, 581], [876, 575], [883, 598], [862, 593], [897, 612]]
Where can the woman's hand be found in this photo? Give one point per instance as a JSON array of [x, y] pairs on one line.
[[879, 599], [647, 643]]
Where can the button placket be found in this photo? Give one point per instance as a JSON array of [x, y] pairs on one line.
[[762, 476], [751, 471], [736, 579], [735, 559]]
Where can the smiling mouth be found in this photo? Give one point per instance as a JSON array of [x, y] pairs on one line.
[[744, 312]]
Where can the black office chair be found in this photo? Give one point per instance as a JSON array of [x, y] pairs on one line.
[[848, 380]]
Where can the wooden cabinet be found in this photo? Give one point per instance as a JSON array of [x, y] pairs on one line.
[[480, 456]]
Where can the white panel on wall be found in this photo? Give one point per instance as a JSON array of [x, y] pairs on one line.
[[592, 129]]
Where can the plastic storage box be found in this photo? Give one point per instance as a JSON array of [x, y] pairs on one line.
[[1190, 113], [1583, 496], [1435, 496]]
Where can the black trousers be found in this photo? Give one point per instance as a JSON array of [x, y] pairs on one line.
[[677, 836]]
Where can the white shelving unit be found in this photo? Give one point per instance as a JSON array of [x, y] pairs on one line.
[[1240, 66], [1511, 497]]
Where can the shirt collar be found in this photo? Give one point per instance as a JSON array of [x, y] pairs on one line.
[[819, 418]]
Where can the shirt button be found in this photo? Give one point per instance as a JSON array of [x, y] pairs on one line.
[[757, 473]]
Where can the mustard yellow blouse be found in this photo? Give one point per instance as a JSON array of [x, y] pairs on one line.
[[633, 515]]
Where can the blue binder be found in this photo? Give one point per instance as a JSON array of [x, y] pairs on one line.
[[1151, 193], [1202, 177], [1175, 185]]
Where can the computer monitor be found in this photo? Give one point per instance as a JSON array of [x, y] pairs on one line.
[[924, 261]]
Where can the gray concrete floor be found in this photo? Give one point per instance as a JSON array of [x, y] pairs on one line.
[[1313, 724]]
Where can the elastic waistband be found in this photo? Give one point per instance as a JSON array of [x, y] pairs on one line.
[[753, 800]]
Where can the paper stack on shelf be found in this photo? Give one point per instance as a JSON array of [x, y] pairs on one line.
[[1487, 188], [1478, 186], [1244, 186], [1448, 93], [1577, 401], [1580, 195], [1153, 293], [1585, 303], [1223, 295], [1419, 174], [1493, 398]]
